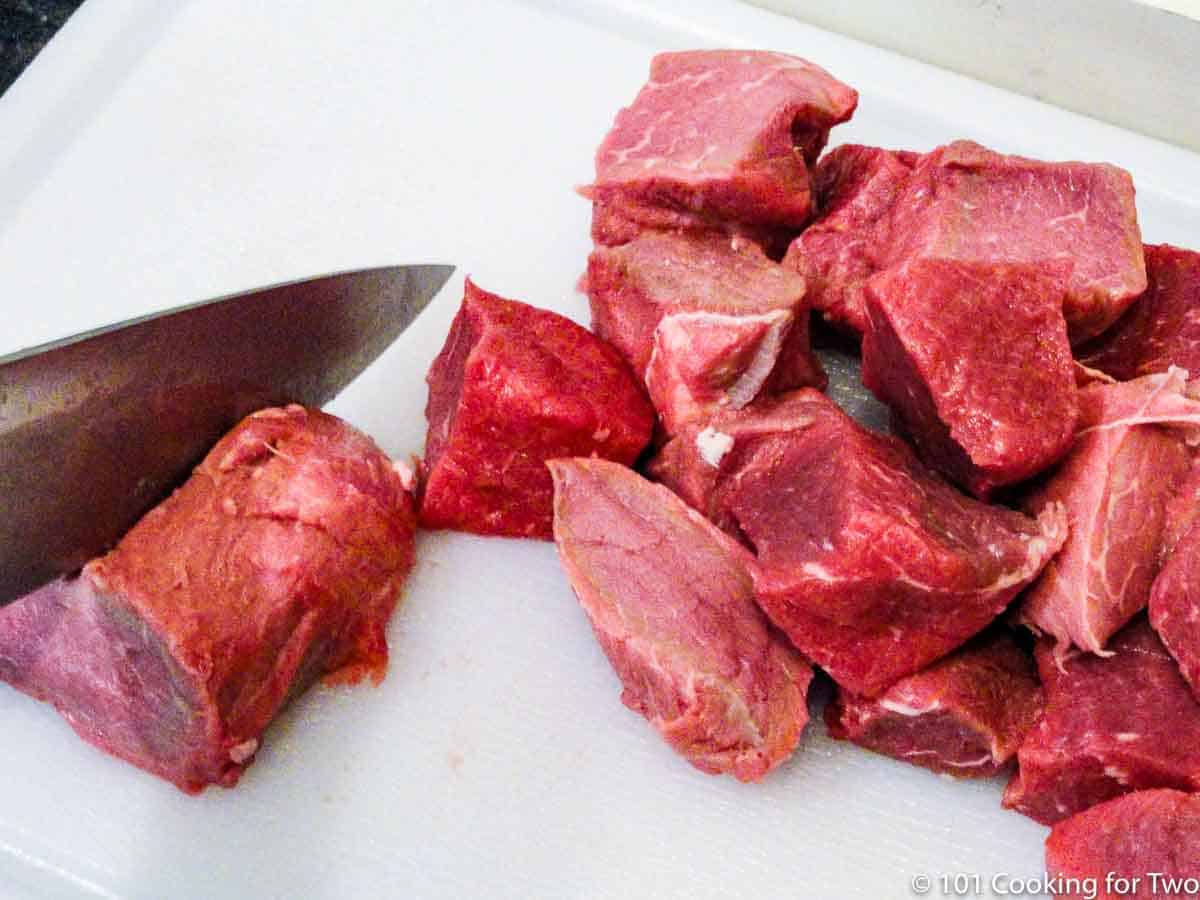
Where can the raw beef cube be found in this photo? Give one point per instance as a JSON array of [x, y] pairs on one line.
[[973, 358], [671, 601], [1114, 724], [279, 561], [966, 202], [1115, 483], [709, 323], [1175, 606], [721, 135], [1183, 509], [513, 387], [699, 463], [1150, 839], [855, 188], [965, 715], [870, 563], [1160, 330], [1175, 596]]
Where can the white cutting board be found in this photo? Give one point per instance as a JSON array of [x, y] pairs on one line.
[[162, 152]]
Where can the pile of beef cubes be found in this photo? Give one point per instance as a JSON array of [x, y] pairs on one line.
[[1002, 585]]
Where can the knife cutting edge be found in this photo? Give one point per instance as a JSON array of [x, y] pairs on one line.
[[97, 428]]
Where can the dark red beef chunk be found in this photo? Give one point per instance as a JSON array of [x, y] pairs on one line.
[[965, 715], [870, 563], [1078, 220], [279, 561], [973, 358], [1113, 724], [710, 323], [1143, 846], [1160, 330], [671, 601], [719, 136], [513, 387], [847, 243], [1116, 482]]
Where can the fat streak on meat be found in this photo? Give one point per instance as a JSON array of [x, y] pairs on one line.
[[965, 715], [512, 387], [1112, 725], [671, 601], [280, 560]]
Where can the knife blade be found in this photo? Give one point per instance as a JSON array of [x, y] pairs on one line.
[[97, 428]]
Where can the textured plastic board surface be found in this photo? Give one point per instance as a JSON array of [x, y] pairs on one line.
[[163, 152]]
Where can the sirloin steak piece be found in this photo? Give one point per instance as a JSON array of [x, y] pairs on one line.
[[855, 187], [965, 715], [513, 387], [973, 359], [708, 322], [718, 137], [671, 602], [1130, 837], [1160, 330], [870, 563], [965, 202], [1115, 483], [280, 560], [1114, 724]]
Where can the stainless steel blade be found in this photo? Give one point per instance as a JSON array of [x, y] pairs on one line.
[[97, 428]]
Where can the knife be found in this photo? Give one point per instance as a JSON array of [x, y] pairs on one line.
[[97, 428]]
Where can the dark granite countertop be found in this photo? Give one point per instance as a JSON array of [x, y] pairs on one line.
[[25, 27]]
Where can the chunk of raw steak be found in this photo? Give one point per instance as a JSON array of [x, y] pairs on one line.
[[965, 202], [855, 187], [1175, 596], [871, 564], [278, 561], [1160, 330], [1175, 606], [709, 322], [973, 359], [671, 601], [1114, 724], [720, 136], [1183, 509], [513, 387], [965, 715], [1115, 483], [1151, 839]]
